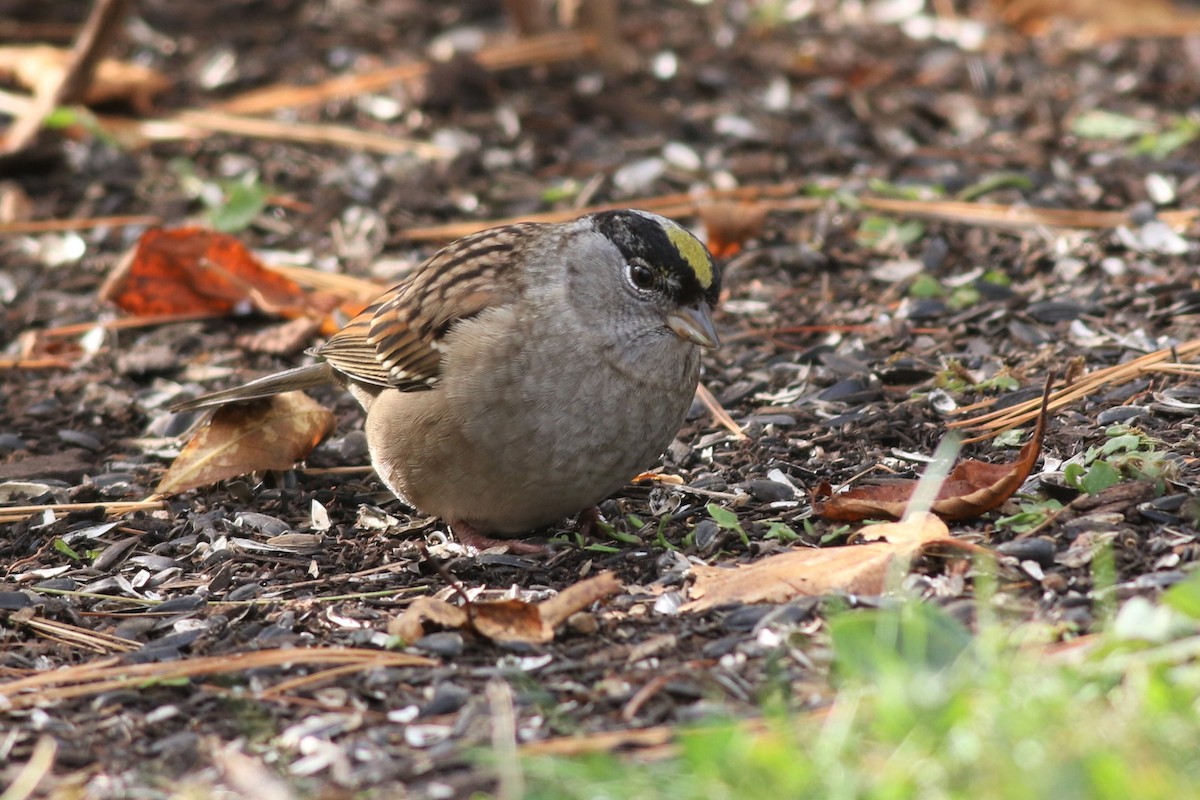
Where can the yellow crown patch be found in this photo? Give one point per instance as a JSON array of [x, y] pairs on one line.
[[693, 253]]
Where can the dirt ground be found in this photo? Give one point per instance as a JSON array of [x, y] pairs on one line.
[[833, 365]]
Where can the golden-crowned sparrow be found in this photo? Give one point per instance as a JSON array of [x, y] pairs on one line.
[[526, 372]]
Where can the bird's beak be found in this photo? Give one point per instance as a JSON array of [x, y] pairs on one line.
[[694, 324]]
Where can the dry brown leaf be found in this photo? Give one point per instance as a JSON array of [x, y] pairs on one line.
[[661, 478], [852, 569], [40, 67], [510, 621], [1093, 21], [505, 620], [191, 270], [273, 433], [284, 339], [577, 597], [729, 224], [600, 742], [410, 625], [972, 488]]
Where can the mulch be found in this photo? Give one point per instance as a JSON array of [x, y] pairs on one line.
[[831, 366]]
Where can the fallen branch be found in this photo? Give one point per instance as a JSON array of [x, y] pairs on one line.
[[1010, 216], [108, 674], [31, 227], [545, 49], [94, 39], [991, 423], [669, 205]]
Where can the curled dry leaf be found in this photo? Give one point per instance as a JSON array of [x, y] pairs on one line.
[[972, 488], [730, 224], [505, 620], [662, 478], [284, 339], [410, 625], [273, 433], [853, 569], [196, 271]]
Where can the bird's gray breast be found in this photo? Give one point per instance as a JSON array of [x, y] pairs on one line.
[[565, 420]]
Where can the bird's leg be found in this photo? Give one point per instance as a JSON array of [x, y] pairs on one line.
[[470, 537], [587, 521]]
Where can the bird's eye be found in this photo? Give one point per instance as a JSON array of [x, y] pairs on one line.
[[641, 276]]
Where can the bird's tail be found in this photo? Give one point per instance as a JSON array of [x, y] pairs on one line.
[[287, 381]]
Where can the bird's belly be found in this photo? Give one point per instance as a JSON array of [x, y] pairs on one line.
[[509, 454]]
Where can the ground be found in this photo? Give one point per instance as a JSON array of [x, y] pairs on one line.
[[849, 335]]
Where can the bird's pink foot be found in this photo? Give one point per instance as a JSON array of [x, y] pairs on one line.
[[469, 537], [588, 520]]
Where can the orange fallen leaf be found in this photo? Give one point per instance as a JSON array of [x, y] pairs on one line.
[[853, 569], [273, 433], [662, 478], [972, 488], [730, 224], [192, 270], [505, 620]]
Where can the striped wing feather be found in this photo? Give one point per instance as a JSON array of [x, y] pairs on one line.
[[395, 342]]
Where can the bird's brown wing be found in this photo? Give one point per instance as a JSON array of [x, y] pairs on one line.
[[396, 342]]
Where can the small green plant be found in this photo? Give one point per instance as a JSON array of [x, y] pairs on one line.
[[634, 536], [68, 116], [1159, 144], [727, 520], [1032, 515], [1153, 139], [67, 550], [561, 191], [1184, 597], [925, 287], [962, 297], [660, 537], [252, 719], [606, 529], [996, 277], [1093, 479], [1002, 381], [957, 297], [993, 183], [1128, 454], [1014, 437], [954, 377], [830, 536], [920, 708], [621, 536], [906, 191], [885, 234], [1109, 125], [232, 204], [778, 530]]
